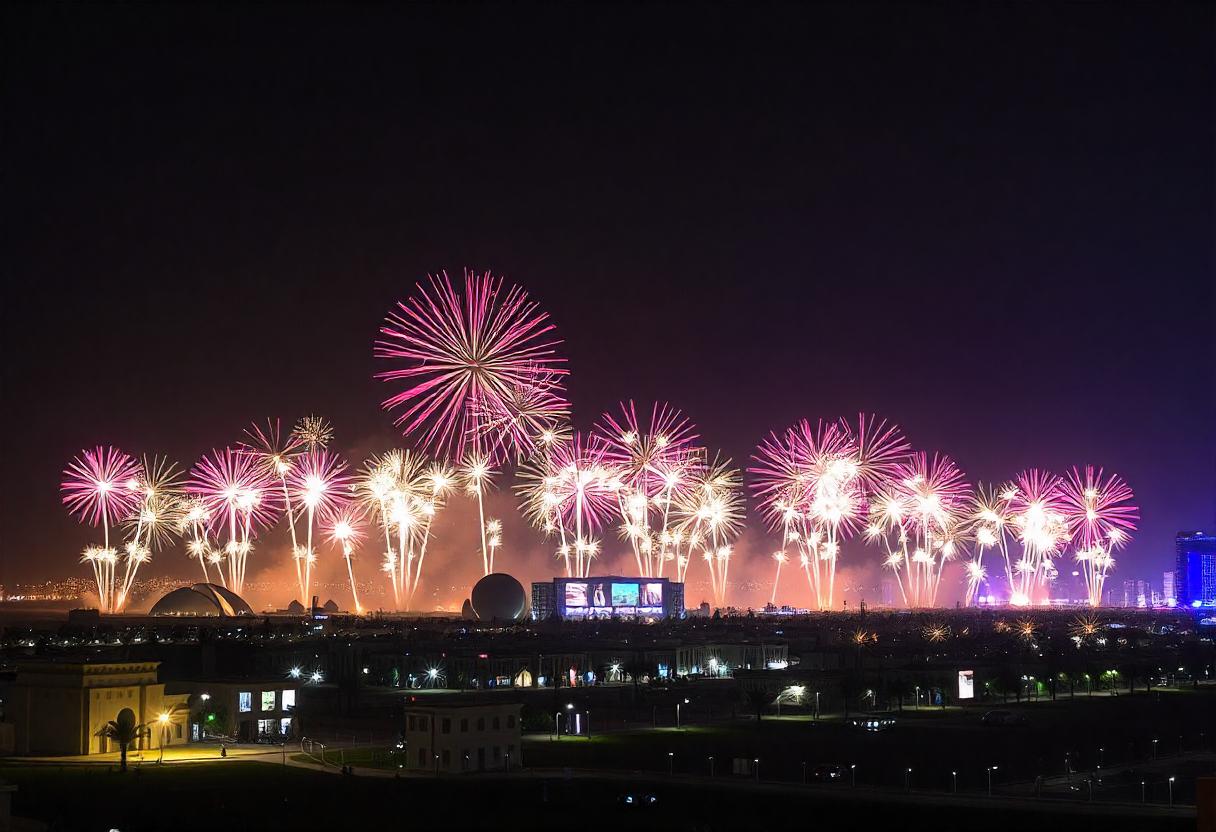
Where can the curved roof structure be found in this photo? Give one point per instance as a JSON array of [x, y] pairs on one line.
[[201, 599]]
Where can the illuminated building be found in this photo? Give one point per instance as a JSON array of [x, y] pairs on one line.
[[1195, 569], [717, 660], [452, 737], [63, 707], [247, 710], [611, 596]]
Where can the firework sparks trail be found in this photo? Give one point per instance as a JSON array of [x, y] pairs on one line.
[[239, 500], [709, 518], [781, 558], [1036, 508], [405, 493], [1100, 517], [96, 489], [569, 489], [344, 528], [655, 463], [989, 527], [482, 374], [815, 481], [919, 518], [318, 484], [276, 454], [153, 520]]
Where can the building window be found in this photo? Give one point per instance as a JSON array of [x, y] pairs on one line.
[[267, 700], [178, 726], [285, 727], [497, 753], [289, 699], [481, 723], [245, 701], [496, 724], [511, 721], [447, 725], [267, 727], [424, 723], [464, 726], [422, 758], [510, 750], [411, 723], [447, 758]]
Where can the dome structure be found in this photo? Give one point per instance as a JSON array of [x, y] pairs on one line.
[[201, 599], [498, 596]]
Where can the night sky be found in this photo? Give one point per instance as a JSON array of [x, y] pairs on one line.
[[989, 223]]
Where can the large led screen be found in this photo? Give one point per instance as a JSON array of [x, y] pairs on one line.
[[651, 595], [624, 595], [576, 595], [966, 684]]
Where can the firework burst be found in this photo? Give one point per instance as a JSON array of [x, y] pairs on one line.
[[655, 463], [239, 500], [1100, 517]]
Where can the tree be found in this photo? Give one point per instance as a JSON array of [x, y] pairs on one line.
[[758, 698], [125, 732], [899, 687]]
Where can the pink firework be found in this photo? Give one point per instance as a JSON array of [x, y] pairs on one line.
[[463, 356], [235, 491], [789, 469], [881, 449], [1098, 511], [529, 415], [101, 487], [647, 453], [272, 448]]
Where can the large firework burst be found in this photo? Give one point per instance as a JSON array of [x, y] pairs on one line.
[[1100, 517]]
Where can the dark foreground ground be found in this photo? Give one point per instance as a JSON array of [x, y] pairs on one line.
[[257, 796]]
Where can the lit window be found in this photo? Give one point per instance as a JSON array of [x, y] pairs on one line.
[[267, 700], [285, 727], [245, 704], [289, 699]]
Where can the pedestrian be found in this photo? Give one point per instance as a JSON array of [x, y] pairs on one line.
[[223, 750]]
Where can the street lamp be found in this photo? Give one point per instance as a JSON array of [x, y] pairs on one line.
[[678, 712], [990, 770], [917, 697], [671, 763], [1171, 792], [1101, 757], [163, 719], [954, 774], [711, 765], [816, 704], [804, 772], [756, 763], [907, 779], [853, 775], [1154, 749], [1143, 796]]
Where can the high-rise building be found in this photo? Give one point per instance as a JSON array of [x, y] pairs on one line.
[[1195, 569], [1167, 589]]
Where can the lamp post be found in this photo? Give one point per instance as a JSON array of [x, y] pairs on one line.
[[907, 779], [816, 705], [711, 766], [804, 772], [1154, 749], [1101, 757], [163, 719], [671, 763], [1171, 792], [1143, 794], [917, 706], [678, 713], [588, 723], [756, 763], [853, 775], [954, 787], [990, 770]]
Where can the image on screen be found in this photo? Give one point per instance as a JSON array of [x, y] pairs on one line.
[[576, 595], [624, 595], [598, 596], [651, 596], [966, 684]]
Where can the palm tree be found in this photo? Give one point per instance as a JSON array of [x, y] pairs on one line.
[[125, 732]]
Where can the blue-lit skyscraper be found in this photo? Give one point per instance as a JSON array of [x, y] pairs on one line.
[[1196, 569]]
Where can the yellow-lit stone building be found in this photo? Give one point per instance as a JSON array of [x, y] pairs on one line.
[[62, 707]]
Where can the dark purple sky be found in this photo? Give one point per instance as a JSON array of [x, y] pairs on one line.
[[992, 224]]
